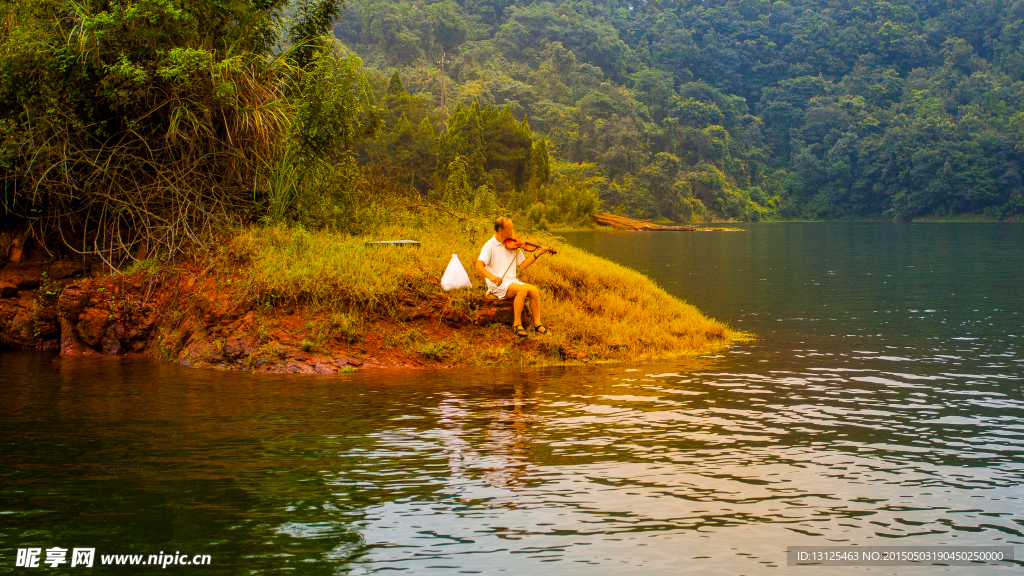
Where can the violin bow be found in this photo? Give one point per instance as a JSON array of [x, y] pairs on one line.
[[509, 267]]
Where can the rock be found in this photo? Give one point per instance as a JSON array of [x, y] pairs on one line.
[[139, 335], [17, 250], [92, 325], [236, 347], [69, 343], [297, 367], [500, 312], [26, 323], [325, 368], [8, 290], [24, 276], [112, 347], [100, 269], [73, 300], [16, 323], [215, 309], [65, 268], [456, 318], [572, 353], [73, 346], [198, 353], [111, 341]]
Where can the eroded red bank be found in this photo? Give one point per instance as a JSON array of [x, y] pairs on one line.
[[186, 315]]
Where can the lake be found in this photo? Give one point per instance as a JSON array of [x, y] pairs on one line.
[[881, 403]]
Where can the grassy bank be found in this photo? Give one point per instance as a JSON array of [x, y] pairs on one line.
[[359, 294]]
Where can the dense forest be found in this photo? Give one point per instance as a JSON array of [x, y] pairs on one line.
[[746, 109], [134, 128]]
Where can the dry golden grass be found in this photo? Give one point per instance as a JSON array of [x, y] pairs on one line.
[[590, 304]]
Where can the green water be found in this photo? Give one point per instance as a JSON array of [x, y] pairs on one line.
[[881, 405]]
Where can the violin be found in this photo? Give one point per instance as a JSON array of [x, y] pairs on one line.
[[526, 244]]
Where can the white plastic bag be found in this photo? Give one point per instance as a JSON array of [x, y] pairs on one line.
[[455, 276]]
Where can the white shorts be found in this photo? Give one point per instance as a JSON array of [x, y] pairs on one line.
[[500, 291]]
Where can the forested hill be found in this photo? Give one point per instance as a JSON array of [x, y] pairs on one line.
[[748, 109]]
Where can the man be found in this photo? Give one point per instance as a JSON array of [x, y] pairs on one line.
[[498, 265]]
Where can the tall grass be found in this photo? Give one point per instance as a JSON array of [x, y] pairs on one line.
[[590, 304], [332, 269]]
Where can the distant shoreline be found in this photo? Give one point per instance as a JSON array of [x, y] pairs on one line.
[[969, 218]]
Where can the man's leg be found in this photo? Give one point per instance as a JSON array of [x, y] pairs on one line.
[[519, 293], [534, 294]]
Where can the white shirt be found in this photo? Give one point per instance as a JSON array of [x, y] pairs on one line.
[[497, 259]]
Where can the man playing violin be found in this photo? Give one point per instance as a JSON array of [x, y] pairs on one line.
[[497, 264]]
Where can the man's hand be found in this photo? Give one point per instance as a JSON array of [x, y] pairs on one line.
[[483, 272]]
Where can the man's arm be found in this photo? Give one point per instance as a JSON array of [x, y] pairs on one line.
[[526, 263], [483, 272]]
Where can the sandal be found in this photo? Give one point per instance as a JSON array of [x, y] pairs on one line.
[[540, 329], [520, 331]]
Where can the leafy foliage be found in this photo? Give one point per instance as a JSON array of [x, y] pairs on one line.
[[138, 128], [801, 108], [143, 127]]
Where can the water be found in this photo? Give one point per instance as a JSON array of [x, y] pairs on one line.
[[880, 405]]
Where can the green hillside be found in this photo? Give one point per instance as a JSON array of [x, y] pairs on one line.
[[748, 109], [142, 128]]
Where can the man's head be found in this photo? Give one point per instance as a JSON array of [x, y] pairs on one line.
[[503, 227]]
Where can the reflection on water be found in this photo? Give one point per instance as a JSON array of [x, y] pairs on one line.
[[860, 416]]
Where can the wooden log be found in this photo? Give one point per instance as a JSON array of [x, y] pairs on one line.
[[616, 221], [500, 312], [674, 229]]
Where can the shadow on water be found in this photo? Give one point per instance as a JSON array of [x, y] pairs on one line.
[[881, 405]]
